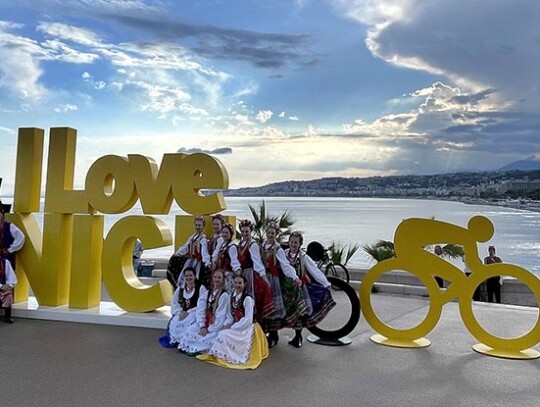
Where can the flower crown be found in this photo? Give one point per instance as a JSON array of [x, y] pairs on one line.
[[201, 218], [230, 228], [246, 223], [220, 217], [273, 225]]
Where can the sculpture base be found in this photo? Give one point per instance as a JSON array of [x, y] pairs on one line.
[[401, 343], [329, 342], [525, 354]]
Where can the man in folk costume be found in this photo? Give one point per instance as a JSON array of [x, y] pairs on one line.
[[11, 237], [11, 241], [8, 280]]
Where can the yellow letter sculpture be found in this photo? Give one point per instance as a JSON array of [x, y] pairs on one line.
[[65, 263]]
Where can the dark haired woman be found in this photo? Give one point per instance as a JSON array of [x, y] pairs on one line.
[[184, 305], [212, 315], [243, 344], [285, 285], [258, 286], [315, 286], [227, 257]]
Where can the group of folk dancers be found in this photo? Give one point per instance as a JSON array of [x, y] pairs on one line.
[[231, 299]]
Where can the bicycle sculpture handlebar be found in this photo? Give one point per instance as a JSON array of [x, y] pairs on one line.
[[410, 238]]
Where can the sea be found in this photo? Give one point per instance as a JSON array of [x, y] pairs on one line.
[[363, 221]]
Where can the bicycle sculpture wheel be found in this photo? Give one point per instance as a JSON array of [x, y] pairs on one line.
[[338, 337], [411, 236]]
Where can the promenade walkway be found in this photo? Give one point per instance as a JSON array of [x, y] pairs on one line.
[[48, 363]]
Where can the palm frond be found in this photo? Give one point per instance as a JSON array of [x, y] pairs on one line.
[[381, 250], [453, 251], [351, 251], [261, 219]]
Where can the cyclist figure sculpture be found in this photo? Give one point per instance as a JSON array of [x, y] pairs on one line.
[[410, 238]]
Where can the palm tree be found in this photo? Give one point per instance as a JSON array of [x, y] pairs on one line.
[[342, 254], [261, 219], [382, 250]]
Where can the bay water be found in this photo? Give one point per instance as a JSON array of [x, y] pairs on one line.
[[365, 220]]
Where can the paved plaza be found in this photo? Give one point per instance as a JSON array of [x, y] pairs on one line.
[[47, 363]]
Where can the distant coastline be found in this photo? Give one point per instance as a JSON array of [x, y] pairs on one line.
[[512, 189]]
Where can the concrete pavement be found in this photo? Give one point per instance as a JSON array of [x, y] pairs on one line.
[[71, 364]]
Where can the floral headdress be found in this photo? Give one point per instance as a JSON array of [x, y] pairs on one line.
[[273, 225], [230, 228], [201, 218], [219, 217], [246, 223]]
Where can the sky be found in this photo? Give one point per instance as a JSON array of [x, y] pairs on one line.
[[277, 89]]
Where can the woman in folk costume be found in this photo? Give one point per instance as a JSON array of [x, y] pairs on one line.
[[196, 251], [213, 313], [285, 285], [243, 345], [8, 280], [184, 306], [258, 286], [315, 287], [227, 257]]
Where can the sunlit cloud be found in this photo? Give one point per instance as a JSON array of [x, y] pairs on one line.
[[68, 107], [264, 115]]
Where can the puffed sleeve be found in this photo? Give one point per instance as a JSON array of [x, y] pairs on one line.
[[183, 250], [314, 271], [233, 254], [255, 252], [200, 317], [204, 252], [286, 267], [223, 313], [247, 320], [18, 238], [175, 303]]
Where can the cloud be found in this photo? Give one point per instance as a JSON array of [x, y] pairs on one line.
[[7, 130], [264, 115], [263, 50], [215, 151], [446, 130], [68, 107], [70, 33], [20, 68], [486, 44]]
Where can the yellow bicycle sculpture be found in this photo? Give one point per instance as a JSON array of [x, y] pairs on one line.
[[410, 238]]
